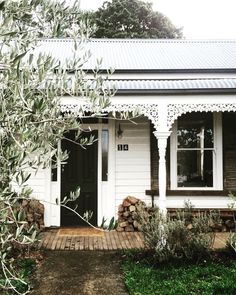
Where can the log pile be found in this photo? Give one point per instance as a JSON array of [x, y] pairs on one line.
[[219, 220], [127, 214], [32, 211]]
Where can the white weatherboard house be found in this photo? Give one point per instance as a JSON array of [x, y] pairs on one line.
[[184, 145]]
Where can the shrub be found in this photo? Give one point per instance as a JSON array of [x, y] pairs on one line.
[[231, 242], [178, 237]]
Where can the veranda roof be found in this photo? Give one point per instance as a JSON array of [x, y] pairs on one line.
[[226, 85]]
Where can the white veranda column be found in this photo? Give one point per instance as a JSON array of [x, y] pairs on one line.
[[162, 144]]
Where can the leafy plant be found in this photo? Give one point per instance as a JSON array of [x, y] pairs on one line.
[[31, 121], [175, 237], [231, 241], [111, 225]]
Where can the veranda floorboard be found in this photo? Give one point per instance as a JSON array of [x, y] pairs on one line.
[[72, 244], [82, 242], [136, 242], [63, 243], [91, 243], [113, 240], [43, 241], [117, 240], [50, 240], [77, 243], [54, 243], [107, 239], [59, 241], [124, 236]]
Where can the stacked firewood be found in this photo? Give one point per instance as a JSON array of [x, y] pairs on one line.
[[32, 211], [127, 214]]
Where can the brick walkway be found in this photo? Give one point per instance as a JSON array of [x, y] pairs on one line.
[[88, 239], [54, 240]]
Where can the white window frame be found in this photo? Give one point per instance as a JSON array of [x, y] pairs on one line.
[[217, 157]]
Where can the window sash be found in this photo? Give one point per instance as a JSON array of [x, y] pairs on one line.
[[104, 148], [217, 157], [195, 168]]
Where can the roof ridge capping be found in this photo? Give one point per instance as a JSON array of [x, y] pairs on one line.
[[107, 40], [171, 80]]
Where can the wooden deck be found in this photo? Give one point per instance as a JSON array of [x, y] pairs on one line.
[[89, 239], [71, 240]]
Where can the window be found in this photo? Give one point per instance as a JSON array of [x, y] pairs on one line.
[[105, 144], [196, 152]]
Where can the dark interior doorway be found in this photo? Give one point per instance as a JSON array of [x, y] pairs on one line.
[[80, 170]]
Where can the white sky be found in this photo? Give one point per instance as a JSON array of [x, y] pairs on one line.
[[201, 19]]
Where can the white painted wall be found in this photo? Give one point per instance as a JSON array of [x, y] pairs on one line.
[[128, 171], [41, 186], [132, 167]]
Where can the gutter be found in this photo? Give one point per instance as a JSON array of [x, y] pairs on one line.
[[175, 91], [165, 71]]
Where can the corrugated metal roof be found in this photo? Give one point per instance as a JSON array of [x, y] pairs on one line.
[[166, 85], [150, 54]]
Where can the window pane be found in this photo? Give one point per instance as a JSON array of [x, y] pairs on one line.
[[105, 139], [195, 168], [54, 168], [195, 130]]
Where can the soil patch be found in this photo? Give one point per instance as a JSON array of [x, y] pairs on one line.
[[80, 273]]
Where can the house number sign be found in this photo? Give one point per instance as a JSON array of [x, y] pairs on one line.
[[122, 147]]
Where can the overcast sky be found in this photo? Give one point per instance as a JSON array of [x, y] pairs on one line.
[[201, 19]]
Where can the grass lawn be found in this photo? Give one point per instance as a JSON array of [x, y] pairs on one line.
[[209, 278]]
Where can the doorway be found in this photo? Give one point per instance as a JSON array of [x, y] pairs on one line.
[[81, 171]]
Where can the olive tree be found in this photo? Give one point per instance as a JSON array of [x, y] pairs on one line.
[[31, 122]]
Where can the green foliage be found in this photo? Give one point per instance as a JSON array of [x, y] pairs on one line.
[[46, 18], [206, 279], [109, 225], [132, 19], [31, 122], [179, 237], [231, 241], [25, 269]]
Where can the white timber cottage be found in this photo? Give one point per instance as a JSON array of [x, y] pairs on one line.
[[183, 145]]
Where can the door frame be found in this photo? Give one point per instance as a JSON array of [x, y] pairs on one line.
[[102, 187]]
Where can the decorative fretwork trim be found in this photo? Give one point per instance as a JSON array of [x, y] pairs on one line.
[[148, 110], [151, 111], [176, 110]]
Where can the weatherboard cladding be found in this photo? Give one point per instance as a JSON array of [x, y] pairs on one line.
[[149, 54]]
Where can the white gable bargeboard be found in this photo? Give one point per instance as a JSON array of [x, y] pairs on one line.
[[164, 79]]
